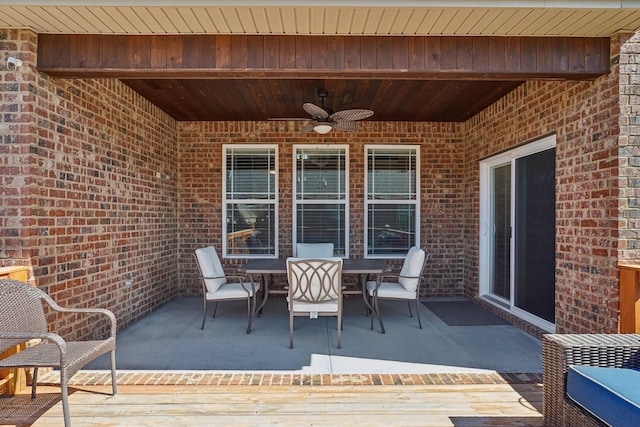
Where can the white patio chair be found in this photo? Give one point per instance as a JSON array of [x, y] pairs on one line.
[[402, 286], [216, 286], [315, 289], [23, 319], [314, 250]]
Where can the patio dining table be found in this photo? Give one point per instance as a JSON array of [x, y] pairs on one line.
[[266, 268]]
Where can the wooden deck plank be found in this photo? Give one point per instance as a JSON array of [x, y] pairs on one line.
[[176, 406]]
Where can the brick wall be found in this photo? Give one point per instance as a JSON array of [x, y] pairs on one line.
[[81, 200], [441, 180]]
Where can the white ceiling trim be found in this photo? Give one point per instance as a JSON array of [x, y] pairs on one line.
[[200, 17]]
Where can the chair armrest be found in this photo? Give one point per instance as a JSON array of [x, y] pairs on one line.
[[90, 311], [559, 351], [242, 279]]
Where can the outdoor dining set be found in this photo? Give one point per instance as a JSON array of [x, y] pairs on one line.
[[314, 283]]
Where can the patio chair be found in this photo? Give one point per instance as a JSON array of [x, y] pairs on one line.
[[314, 250], [402, 286], [315, 289], [216, 286], [23, 320]]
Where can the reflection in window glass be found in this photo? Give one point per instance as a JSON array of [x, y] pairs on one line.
[[250, 201], [392, 200], [320, 203]]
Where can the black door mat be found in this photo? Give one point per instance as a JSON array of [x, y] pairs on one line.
[[463, 313]]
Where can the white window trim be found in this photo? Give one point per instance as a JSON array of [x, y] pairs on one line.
[[275, 201], [294, 219], [484, 271], [367, 202]]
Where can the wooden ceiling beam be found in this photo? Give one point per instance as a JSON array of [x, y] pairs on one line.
[[323, 57]]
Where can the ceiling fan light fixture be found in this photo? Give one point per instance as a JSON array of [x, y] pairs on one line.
[[322, 128]]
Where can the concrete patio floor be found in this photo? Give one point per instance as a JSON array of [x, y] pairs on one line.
[[170, 339]]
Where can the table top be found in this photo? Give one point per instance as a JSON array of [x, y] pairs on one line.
[[350, 265]]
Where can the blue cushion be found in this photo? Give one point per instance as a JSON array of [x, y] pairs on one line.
[[610, 394]]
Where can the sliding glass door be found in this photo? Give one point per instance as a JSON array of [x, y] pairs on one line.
[[517, 231]]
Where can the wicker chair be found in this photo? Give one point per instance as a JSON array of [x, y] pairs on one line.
[[561, 351], [23, 319]]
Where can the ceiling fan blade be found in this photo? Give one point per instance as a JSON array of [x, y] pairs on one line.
[[315, 111], [350, 115], [346, 126], [308, 128]]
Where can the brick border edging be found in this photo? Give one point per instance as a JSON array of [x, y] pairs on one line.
[[147, 378]]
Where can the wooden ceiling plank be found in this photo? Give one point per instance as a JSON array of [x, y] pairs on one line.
[[158, 51], [239, 52], [400, 53], [497, 54], [353, 53], [256, 52], [576, 54], [93, 50], [383, 53], [174, 52], [142, 52], [336, 53], [416, 53], [464, 51], [303, 55], [480, 53], [319, 52]]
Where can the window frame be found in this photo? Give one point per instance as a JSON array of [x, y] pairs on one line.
[[258, 148], [296, 202], [416, 202]]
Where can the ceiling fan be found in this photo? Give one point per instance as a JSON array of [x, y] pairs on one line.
[[324, 119]]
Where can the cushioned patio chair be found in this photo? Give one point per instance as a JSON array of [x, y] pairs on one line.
[[315, 289], [562, 351], [402, 286], [314, 250], [23, 320], [216, 286]]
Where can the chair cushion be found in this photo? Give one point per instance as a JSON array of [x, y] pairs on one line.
[[305, 307], [211, 266], [391, 290], [412, 267], [314, 250], [610, 394], [232, 290]]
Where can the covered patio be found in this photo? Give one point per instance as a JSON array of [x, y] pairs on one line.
[[467, 367]]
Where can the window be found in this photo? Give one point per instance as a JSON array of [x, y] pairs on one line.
[[250, 201], [392, 214], [320, 202]]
